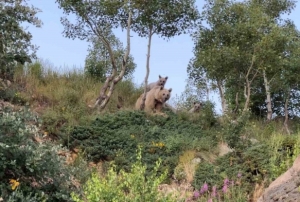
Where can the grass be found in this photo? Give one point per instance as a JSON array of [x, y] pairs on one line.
[[61, 97]]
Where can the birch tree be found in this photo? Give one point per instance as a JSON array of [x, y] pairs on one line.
[[238, 43], [164, 18], [98, 18]]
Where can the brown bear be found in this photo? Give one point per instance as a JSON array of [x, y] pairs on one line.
[[161, 82], [155, 99], [196, 107]]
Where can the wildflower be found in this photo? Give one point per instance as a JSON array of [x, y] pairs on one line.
[[14, 183], [196, 194], [214, 191], [224, 189], [161, 145], [239, 175], [204, 188], [210, 200], [132, 136], [226, 181], [189, 199]]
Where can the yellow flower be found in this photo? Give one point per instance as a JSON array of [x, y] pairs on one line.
[[14, 183], [132, 136], [161, 145]]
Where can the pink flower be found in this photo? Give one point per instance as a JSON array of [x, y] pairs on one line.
[[224, 189], [214, 191], [226, 181], [210, 200], [188, 199], [204, 188], [196, 194], [239, 175]]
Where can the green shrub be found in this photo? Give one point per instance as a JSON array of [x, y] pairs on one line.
[[285, 150], [253, 164], [125, 186], [117, 136], [35, 170], [206, 173], [12, 95]]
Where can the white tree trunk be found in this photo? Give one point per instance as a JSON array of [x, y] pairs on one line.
[[247, 94], [147, 69], [113, 79], [222, 96], [268, 94], [207, 90]]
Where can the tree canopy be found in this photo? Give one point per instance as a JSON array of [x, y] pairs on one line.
[[97, 62], [15, 40], [247, 48]]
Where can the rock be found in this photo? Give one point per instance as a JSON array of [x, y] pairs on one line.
[[286, 187], [224, 148], [196, 161]]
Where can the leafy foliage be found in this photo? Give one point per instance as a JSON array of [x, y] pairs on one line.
[[125, 186], [118, 136], [35, 171], [15, 41], [97, 62], [164, 18], [248, 49]]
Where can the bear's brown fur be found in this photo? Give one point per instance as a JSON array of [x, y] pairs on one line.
[[155, 99], [196, 107], [161, 82]]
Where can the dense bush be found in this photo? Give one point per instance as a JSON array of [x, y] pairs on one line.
[[258, 163], [253, 165], [117, 137], [125, 186], [31, 171]]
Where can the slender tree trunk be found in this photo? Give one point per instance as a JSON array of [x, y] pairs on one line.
[[247, 95], [113, 79], [207, 90], [2, 62], [247, 92], [286, 114], [147, 69], [222, 96], [236, 103], [267, 87]]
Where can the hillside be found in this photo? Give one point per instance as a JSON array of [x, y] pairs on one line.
[[53, 147]]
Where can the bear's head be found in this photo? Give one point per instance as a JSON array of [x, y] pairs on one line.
[[162, 81], [197, 106], [164, 94]]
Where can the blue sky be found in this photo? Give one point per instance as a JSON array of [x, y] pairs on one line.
[[168, 57]]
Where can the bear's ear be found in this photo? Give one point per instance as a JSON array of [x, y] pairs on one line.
[[159, 76], [170, 90], [194, 103], [161, 87], [166, 78]]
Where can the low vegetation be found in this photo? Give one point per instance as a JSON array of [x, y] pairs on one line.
[[49, 115]]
